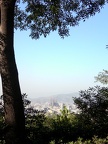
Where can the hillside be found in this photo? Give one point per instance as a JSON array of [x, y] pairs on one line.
[[60, 98]]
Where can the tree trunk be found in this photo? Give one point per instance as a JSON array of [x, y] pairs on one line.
[[13, 104]]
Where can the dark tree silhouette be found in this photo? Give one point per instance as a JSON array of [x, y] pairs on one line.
[[93, 106]]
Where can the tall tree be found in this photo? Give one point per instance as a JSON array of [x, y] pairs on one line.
[[41, 17], [13, 105]]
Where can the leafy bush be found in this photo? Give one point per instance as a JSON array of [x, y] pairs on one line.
[[93, 117]]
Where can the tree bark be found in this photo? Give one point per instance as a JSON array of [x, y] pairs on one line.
[[13, 104]]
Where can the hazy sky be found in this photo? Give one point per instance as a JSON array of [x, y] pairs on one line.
[[52, 65]]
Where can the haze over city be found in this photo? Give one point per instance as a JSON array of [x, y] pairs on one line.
[[52, 65]]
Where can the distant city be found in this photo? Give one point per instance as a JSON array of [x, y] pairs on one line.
[[54, 104]]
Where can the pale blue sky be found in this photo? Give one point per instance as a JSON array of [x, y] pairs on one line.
[[52, 65]]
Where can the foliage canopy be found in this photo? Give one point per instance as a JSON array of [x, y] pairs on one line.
[[44, 16], [93, 106], [102, 77]]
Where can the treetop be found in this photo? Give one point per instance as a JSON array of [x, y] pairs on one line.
[[44, 16]]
